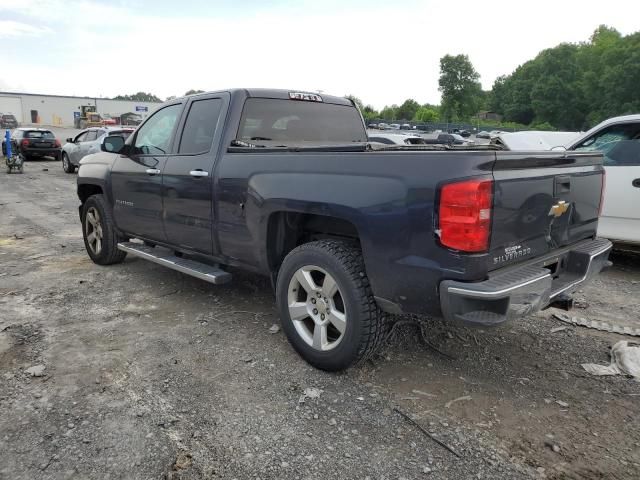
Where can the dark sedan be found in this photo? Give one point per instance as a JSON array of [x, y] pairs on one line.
[[37, 142], [8, 121]]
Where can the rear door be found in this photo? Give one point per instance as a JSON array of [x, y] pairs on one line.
[[187, 178], [136, 178], [620, 144], [543, 201]]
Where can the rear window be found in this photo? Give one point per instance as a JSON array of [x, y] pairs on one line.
[[39, 134], [266, 119]]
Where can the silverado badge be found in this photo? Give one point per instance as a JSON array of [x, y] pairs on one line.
[[559, 208]]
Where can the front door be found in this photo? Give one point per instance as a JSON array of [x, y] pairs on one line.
[[620, 144], [188, 177], [74, 150], [136, 178]]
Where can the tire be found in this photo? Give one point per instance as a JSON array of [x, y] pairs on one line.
[[103, 227], [67, 166], [362, 322]]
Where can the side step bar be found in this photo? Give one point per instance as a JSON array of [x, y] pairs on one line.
[[203, 271]]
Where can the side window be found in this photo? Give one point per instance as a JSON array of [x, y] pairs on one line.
[[620, 144], [81, 138], [384, 140], [91, 136], [154, 137], [200, 126]]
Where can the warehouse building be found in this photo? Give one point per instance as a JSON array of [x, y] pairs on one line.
[[60, 111]]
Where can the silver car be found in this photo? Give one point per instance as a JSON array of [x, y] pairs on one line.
[[86, 142]]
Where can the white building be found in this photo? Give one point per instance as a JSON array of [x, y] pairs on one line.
[[58, 110]]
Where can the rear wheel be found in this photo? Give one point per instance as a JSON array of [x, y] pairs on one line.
[[67, 166], [99, 232], [326, 305]]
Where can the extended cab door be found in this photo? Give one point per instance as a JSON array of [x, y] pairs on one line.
[[136, 177], [620, 144], [187, 179]]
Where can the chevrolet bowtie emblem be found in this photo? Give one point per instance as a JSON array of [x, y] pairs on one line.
[[559, 208]]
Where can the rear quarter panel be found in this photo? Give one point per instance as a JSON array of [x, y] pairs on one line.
[[388, 196]]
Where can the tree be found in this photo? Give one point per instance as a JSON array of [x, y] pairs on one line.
[[369, 113], [389, 112], [408, 109], [460, 87], [139, 97], [193, 92], [426, 114]]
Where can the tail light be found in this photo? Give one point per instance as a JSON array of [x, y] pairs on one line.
[[57, 143], [465, 215], [602, 190], [25, 143]]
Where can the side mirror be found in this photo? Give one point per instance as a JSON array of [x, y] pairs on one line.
[[69, 140], [112, 144]]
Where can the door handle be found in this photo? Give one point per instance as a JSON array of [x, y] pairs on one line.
[[198, 173], [636, 183], [153, 171]]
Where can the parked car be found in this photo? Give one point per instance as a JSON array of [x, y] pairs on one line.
[[396, 138], [619, 140], [447, 139], [8, 121], [383, 126], [285, 184], [36, 143], [405, 126], [372, 126], [394, 126], [87, 142], [483, 134], [464, 133]]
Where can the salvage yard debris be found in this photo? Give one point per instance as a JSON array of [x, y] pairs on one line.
[[625, 360], [602, 326]]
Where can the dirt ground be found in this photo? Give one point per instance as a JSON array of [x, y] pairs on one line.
[[150, 374]]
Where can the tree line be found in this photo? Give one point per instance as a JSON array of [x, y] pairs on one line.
[[568, 87]]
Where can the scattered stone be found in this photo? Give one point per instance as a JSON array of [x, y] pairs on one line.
[[274, 329], [183, 461], [426, 470], [332, 422], [562, 404], [284, 465], [36, 370], [559, 329], [554, 447]]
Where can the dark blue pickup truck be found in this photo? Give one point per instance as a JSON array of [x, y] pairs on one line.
[[285, 184]]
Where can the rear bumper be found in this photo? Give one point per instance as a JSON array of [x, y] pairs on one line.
[[41, 152], [524, 289]]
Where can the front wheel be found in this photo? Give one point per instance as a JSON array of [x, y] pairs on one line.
[[326, 305], [67, 166], [99, 232]]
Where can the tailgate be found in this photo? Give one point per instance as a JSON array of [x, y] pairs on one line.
[[543, 201]]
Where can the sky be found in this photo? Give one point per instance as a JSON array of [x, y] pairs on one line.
[[382, 52]]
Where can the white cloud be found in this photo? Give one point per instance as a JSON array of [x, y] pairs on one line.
[[10, 28], [381, 52]]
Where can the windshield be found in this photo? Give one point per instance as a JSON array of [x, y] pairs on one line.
[[607, 140], [294, 121], [38, 134]]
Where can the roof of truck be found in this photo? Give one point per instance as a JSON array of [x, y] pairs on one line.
[[280, 94]]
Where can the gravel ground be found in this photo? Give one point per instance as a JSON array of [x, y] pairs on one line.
[[152, 374]]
